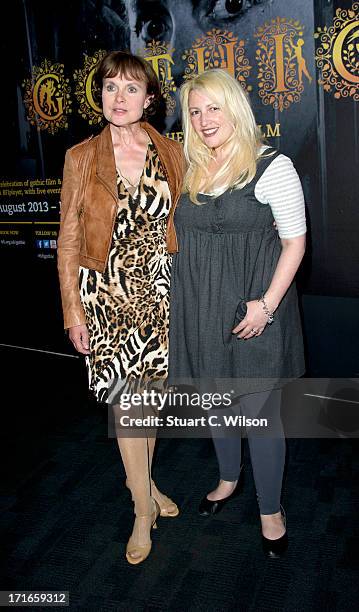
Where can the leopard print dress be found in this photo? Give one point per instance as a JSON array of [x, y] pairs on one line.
[[127, 306]]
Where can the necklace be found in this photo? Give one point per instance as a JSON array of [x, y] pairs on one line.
[[126, 181], [134, 185]]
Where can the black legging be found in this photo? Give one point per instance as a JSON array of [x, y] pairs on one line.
[[267, 451]]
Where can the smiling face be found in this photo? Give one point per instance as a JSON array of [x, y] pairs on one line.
[[208, 120], [123, 100]]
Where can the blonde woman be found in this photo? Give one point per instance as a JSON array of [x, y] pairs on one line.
[[234, 311]]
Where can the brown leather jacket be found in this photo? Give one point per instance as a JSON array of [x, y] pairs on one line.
[[88, 210]]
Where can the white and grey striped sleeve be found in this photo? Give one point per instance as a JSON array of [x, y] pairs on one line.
[[280, 187]]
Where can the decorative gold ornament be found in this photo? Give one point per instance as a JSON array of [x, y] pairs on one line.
[[47, 97], [337, 56], [218, 49], [281, 65], [87, 94], [159, 55]]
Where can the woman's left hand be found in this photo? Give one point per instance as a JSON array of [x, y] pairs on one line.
[[253, 323]]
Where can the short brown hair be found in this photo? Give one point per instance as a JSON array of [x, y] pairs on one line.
[[130, 66]]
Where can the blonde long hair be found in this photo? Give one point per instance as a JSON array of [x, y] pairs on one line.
[[242, 146]]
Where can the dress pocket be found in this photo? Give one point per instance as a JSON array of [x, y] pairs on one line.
[[232, 315], [240, 313]]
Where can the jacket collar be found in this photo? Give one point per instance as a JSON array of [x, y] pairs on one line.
[[105, 162], [164, 152]]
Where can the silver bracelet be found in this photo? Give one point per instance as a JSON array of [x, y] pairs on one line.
[[266, 310]]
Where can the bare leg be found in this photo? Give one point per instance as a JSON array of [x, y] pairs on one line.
[[135, 457], [167, 506]]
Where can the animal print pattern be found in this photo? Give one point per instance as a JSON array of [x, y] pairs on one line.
[[127, 306]]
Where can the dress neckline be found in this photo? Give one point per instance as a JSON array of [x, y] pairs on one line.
[[133, 189]]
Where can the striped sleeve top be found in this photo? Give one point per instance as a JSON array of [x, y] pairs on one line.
[[280, 187]]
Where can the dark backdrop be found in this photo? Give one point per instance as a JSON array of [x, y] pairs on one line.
[[319, 132]]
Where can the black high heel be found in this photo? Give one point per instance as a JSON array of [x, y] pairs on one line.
[[208, 507], [274, 549]]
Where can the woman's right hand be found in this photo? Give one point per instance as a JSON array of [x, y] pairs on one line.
[[79, 337]]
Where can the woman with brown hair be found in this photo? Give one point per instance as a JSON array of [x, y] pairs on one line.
[[119, 193]]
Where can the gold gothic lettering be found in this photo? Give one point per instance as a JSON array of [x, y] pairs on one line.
[[279, 64]]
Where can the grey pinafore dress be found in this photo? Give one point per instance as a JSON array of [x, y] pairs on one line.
[[228, 252]]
